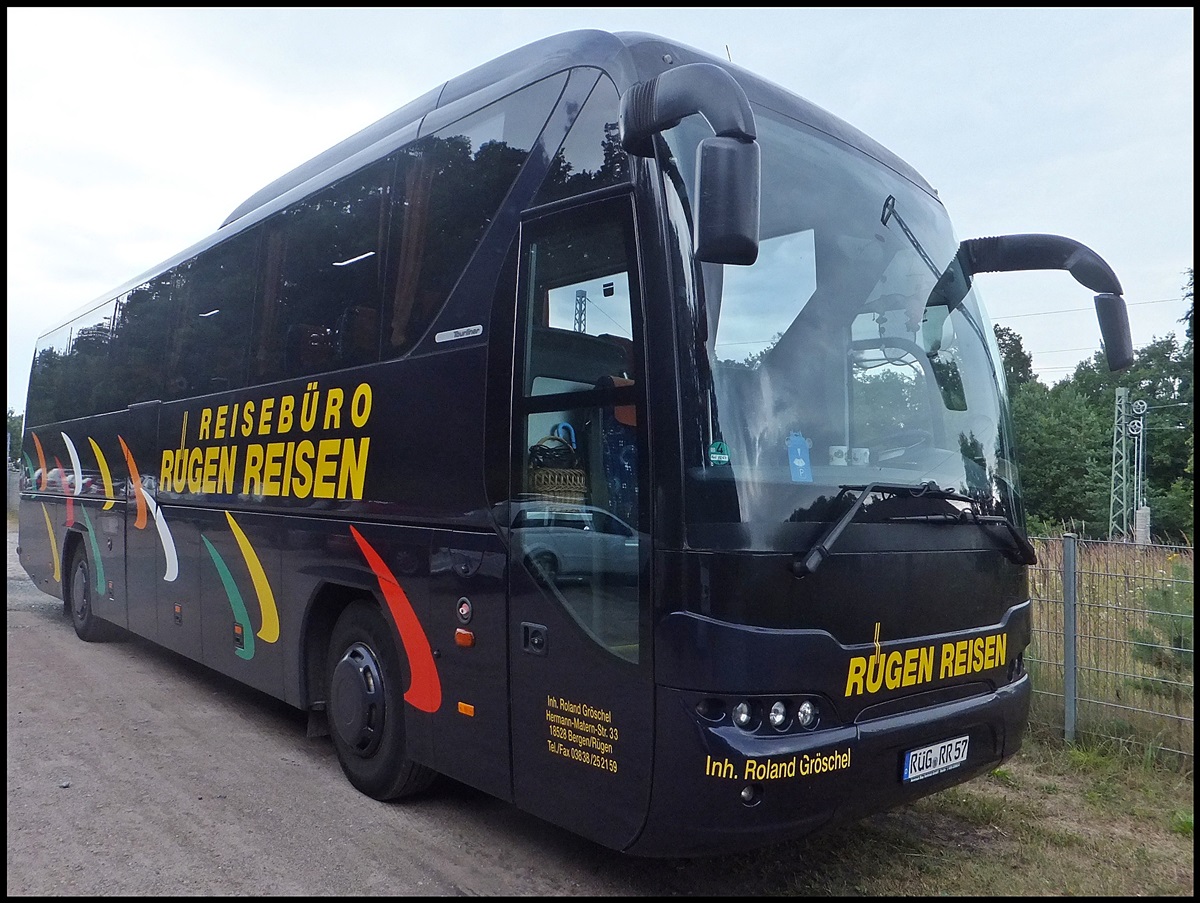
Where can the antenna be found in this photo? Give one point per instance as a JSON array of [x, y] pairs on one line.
[[728, 54]]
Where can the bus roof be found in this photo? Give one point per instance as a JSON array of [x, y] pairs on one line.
[[627, 57]]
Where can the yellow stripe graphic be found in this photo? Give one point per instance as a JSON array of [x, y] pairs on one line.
[[104, 474], [53, 544], [269, 632]]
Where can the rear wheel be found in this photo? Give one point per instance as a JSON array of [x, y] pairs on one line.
[[78, 595], [365, 707]]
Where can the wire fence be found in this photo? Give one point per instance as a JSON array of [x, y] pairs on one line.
[[1111, 655]]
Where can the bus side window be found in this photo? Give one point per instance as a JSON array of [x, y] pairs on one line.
[[358, 336], [449, 186], [214, 305], [308, 349], [562, 361], [616, 450], [322, 271]]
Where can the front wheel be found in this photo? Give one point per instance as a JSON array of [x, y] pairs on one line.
[[365, 707]]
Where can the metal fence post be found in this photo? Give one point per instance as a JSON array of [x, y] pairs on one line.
[[1069, 638]]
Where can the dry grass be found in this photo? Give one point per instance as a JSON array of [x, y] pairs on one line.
[[1121, 592], [1052, 821]]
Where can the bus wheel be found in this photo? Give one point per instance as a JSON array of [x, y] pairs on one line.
[[365, 706], [77, 596]]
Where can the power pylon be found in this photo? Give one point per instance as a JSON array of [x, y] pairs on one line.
[[581, 300], [1118, 499]]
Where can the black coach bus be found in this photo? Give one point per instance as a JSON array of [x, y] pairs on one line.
[[608, 429]]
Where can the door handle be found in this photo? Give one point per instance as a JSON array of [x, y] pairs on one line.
[[533, 638]]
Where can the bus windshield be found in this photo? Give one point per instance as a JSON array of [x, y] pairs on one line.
[[854, 351]]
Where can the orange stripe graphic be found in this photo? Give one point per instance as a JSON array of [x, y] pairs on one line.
[[138, 491], [37, 443]]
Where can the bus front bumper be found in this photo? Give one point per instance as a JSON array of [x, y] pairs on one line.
[[720, 789]]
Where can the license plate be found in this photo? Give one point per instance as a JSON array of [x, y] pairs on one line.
[[934, 759]]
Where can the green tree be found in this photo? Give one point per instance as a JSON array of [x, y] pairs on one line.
[[1065, 457], [16, 424], [1162, 376], [1184, 486], [1018, 363]]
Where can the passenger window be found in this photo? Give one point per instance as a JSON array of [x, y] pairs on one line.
[[214, 301], [591, 157], [448, 189], [69, 367], [323, 283], [144, 316]]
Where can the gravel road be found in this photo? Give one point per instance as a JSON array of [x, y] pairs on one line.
[[132, 771]]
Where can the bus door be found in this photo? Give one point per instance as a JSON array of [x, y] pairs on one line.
[[577, 525]]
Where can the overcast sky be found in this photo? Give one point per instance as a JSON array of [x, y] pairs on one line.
[[133, 133]]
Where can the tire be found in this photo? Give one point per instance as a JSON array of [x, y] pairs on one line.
[[365, 705], [78, 593]]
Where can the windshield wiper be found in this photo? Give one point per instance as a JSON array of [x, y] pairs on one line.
[[1024, 551], [809, 561]]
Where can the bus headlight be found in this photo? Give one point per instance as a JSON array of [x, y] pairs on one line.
[[710, 709], [806, 714], [743, 715], [778, 715]]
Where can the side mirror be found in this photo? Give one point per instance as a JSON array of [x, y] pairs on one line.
[[1114, 330], [725, 211], [1009, 253]]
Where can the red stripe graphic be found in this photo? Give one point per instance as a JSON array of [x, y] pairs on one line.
[[425, 691]]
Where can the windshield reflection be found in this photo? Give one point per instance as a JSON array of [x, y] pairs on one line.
[[854, 351]]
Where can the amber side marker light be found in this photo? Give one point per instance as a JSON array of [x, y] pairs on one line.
[[464, 638]]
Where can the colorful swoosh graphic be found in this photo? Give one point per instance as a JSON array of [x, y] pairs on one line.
[[53, 544], [240, 615], [425, 690], [37, 443], [167, 541], [62, 475], [105, 475], [269, 632], [144, 504], [76, 467], [138, 492], [94, 544]]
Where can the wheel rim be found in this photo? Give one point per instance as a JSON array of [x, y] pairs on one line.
[[358, 700], [79, 593]]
